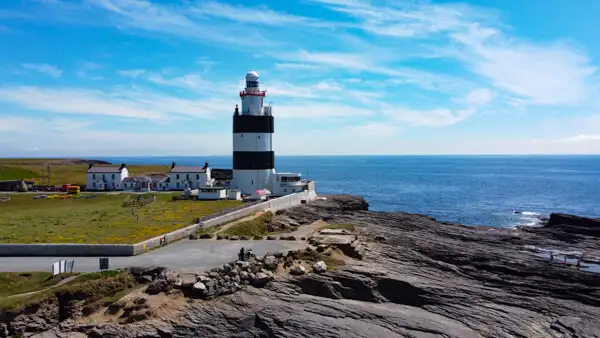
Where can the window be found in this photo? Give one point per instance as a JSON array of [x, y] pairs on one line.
[[113, 176], [197, 176], [103, 176], [259, 137], [94, 184], [187, 176], [284, 190], [242, 135], [177, 176], [177, 184], [94, 176], [252, 182]]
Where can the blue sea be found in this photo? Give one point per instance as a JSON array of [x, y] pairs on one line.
[[471, 190]]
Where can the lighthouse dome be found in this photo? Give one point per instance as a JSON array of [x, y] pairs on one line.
[[252, 75]]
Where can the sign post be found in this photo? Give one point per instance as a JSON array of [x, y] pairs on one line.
[[103, 264]]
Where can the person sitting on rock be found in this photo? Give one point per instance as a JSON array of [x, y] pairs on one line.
[[249, 254], [242, 254]]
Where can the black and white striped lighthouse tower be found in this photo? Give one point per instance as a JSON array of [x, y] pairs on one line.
[[253, 127]]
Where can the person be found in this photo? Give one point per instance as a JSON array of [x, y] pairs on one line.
[[551, 257], [578, 263], [242, 254]]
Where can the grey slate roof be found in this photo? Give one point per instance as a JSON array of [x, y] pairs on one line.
[[188, 169], [141, 179], [105, 170]]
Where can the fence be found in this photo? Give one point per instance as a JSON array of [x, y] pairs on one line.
[[138, 200]]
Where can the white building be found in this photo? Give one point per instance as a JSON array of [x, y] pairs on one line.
[[105, 177], [137, 183], [192, 177], [253, 154]]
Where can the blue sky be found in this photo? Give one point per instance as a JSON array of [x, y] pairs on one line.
[[127, 77]]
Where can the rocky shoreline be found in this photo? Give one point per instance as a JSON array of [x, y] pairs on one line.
[[418, 278]]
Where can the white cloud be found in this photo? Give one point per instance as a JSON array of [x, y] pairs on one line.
[[479, 97], [43, 68], [133, 73], [542, 74], [86, 68], [128, 103]]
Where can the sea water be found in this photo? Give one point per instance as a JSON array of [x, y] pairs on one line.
[[472, 190]]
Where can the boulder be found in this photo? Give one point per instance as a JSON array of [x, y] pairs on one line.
[[206, 236], [270, 262], [319, 267], [234, 238], [261, 280], [297, 270]]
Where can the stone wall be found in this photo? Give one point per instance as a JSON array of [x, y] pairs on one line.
[[62, 250]]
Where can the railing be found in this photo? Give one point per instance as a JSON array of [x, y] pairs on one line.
[[259, 93], [130, 200]]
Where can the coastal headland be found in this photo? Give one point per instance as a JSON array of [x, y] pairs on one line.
[[417, 278]]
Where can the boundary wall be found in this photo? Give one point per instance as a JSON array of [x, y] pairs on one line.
[[106, 250]]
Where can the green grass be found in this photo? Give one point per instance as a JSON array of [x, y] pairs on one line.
[[250, 228], [340, 226], [63, 171], [13, 283], [96, 289], [100, 220], [16, 173]]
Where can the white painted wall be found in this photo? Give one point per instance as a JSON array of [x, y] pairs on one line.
[[105, 181], [181, 181], [212, 195], [254, 103], [252, 180], [252, 141]]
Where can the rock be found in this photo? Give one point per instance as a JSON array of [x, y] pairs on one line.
[[380, 238], [297, 270], [427, 279], [244, 238], [193, 236], [199, 286], [319, 267], [261, 280], [219, 236], [244, 275], [278, 255], [270, 262], [258, 237], [206, 236], [321, 247], [271, 238], [234, 238]]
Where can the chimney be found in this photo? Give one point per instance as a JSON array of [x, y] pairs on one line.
[[122, 166], [173, 165], [90, 166]]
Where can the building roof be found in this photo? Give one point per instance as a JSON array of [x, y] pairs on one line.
[[188, 169], [165, 180], [105, 169], [140, 179], [252, 75]]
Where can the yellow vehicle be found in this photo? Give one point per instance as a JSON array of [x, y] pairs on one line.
[[74, 190]]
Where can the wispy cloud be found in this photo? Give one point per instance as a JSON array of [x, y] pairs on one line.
[[126, 102], [87, 68], [133, 73], [43, 68]]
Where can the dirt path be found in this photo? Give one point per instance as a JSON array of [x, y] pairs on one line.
[[247, 218], [308, 230], [62, 282]]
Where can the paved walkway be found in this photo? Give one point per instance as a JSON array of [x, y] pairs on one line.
[[184, 256]]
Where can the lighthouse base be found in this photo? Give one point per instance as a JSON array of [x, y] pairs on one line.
[[248, 181]]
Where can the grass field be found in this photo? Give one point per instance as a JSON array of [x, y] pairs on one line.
[[251, 228], [13, 283], [96, 289], [62, 171], [100, 220]]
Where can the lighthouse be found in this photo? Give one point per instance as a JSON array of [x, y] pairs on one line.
[[253, 127]]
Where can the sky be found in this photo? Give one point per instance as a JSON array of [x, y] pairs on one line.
[[144, 78]]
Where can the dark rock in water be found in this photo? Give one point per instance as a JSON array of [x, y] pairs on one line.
[[575, 224], [427, 279]]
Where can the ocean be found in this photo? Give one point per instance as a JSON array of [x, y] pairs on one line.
[[471, 190]]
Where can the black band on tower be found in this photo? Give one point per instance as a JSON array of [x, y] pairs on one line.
[[248, 160], [253, 124]]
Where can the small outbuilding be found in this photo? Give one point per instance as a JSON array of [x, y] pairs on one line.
[[211, 193]]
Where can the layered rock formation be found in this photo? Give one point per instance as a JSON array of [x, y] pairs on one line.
[[419, 278]]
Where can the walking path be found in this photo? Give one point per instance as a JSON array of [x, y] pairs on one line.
[[62, 282], [247, 218], [183, 256]]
